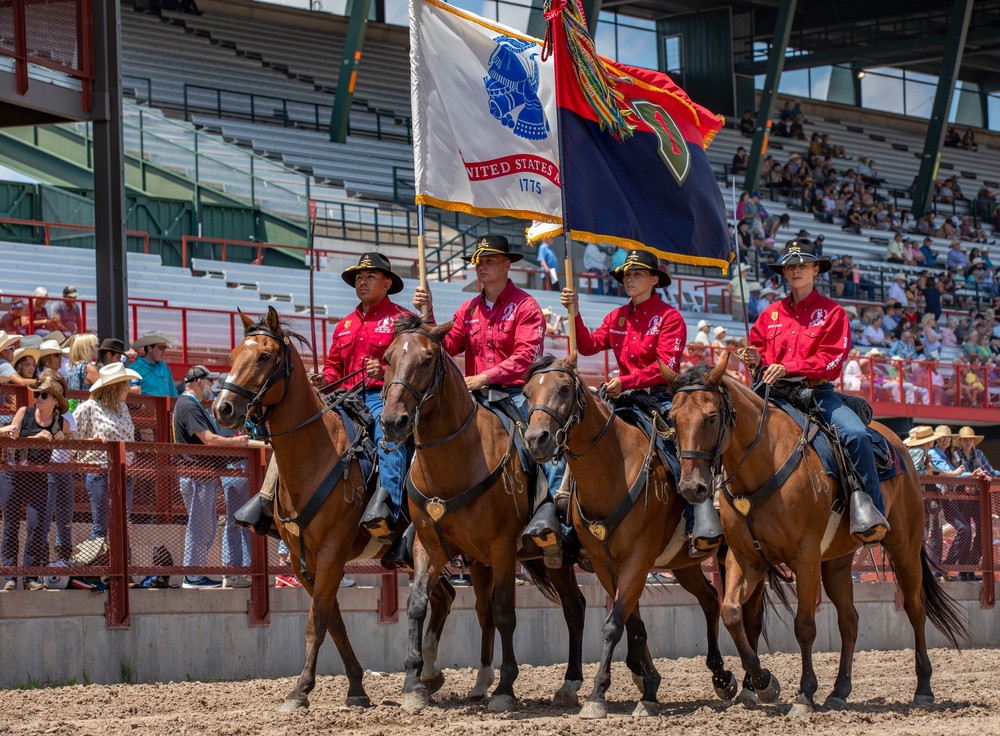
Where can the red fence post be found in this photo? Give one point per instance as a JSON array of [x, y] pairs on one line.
[[116, 610], [259, 605], [988, 595]]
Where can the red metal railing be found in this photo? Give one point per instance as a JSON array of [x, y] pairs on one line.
[[48, 227], [57, 35]]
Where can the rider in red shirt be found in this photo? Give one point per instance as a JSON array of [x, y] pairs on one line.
[[806, 336], [359, 342], [502, 332], [640, 333]]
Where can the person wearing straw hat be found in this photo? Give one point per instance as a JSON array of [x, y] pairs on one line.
[[50, 356], [968, 453], [702, 336], [8, 372], [972, 458], [356, 349], [154, 373], [807, 336], [26, 364], [105, 416], [60, 486], [29, 489], [897, 292], [642, 333], [719, 337], [502, 332]]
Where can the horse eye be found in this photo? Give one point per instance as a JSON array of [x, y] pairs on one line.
[[713, 419], [564, 389], [427, 361], [264, 358]]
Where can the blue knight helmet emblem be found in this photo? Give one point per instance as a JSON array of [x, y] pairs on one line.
[[512, 86]]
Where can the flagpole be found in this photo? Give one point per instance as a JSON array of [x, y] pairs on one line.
[[739, 275], [421, 254], [567, 240]]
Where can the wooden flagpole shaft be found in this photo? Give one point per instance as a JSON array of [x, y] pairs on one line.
[[421, 253], [569, 282]]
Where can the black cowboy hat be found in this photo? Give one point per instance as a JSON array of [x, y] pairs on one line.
[[800, 250], [375, 262], [113, 345], [642, 259], [493, 245]]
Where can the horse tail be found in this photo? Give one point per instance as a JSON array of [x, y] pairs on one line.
[[540, 577], [942, 609]]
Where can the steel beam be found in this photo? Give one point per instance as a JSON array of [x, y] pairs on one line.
[[340, 118], [769, 95], [950, 64], [109, 173]]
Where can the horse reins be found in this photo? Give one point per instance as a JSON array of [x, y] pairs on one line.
[[573, 419]]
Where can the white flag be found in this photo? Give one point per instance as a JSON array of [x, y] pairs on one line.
[[484, 116]]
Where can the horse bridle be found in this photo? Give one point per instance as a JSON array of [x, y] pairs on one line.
[[423, 396], [257, 412], [574, 417]]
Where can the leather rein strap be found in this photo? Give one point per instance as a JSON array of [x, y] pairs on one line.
[[575, 416]]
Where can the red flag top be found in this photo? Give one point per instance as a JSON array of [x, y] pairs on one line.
[[811, 338], [638, 335], [359, 336], [501, 341]]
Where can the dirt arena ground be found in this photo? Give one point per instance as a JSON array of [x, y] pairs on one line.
[[966, 684]]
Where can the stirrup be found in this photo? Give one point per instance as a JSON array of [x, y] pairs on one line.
[[868, 525], [378, 520]]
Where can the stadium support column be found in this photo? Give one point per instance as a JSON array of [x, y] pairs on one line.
[[769, 95], [536, 19], [951, 61], [340, 118], [109, 173]]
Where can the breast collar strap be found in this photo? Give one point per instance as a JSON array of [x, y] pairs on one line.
[[257, 412]]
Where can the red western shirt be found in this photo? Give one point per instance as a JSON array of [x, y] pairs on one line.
[[501, 341], [811, 338], [359, 336], [638, 335]]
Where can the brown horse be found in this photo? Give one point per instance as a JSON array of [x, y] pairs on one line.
[[477, 504], [608, 458], [796, 526], [268, 381]]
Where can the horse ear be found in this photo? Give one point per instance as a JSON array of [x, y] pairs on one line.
[[666, 372], [439, 331], [247, 322], [571, 361], [273, 322], [715, 377]]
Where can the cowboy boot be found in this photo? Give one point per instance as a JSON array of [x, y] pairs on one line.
[[707, 532], [400, 553], [868, 525], [378, 519], [544, 530]]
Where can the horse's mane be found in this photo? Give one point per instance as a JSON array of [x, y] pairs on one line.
[[261, 324], [406, 322], [544, 362]]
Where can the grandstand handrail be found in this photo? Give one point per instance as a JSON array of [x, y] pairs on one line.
[[46, 227], [379, 226], [148, 83]]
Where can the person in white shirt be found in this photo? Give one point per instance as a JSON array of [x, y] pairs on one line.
[[595, 261], [873, 333], [897, 292], [702, 337]]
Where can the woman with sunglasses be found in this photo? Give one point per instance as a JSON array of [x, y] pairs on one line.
[[29, 488]]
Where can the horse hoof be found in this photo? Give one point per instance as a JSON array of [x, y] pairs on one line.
[[593, 710], [646, 709], [770, 693], [835, 703], [567, 696], [359, 701], [502, 704], [923, 700], [293, 704], [435, 683], [801, 707], [747, 697], [637, 679], [416, 701], [484, 681], [727, 691]]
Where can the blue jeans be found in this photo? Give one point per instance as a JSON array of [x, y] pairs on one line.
[[855, 437], [97, 489], [200, 499], [392, 465], [30, 490], [61, 507], [553, 472], [235, 538]]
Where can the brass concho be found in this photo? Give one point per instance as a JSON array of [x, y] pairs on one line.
[[435, 509], [292, 527], [742, 504], [598, 530]]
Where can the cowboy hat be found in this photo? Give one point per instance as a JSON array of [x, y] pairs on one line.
[[112, 345], [753, 286], [51, 347], [55, 336], [25, 353], [155, 337], [943, 430], [492, 245], [767, 291], [800, 250], [642, 259], [719, 330], [8, 341], [899, 276], [113, 373], [55, 390], [702, 323], [375, 262], [969, 432], [873, 353], [851, 309], [922, 435]]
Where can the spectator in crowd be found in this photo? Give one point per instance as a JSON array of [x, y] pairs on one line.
[[969, 141], [957, 512], [617, 261], [853, 378], [929, 255], [105, 417], [897, 291], [956, 256], [8, 343], [894, 251], [595, 263], [50, 355], [911, 253], [930, 337], [26, 365], [948, 337], [740, 161], [111, 351], [932, 297], [82, 357], [747, 123], [29, 489], [920, 441], [702, 336], [236, 490], [751, 215], [873, 334], [899, 376], [753, 297], [60, 484], [154, 373], [549, 265], [718, 339], [66, 315], [904, 347], [14, 322], [973, 348], [194, 425], [40, 321]]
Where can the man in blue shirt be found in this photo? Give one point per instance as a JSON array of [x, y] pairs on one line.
[[156, 379], [550, 265]]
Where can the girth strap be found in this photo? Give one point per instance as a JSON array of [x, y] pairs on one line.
[[437, 507]]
